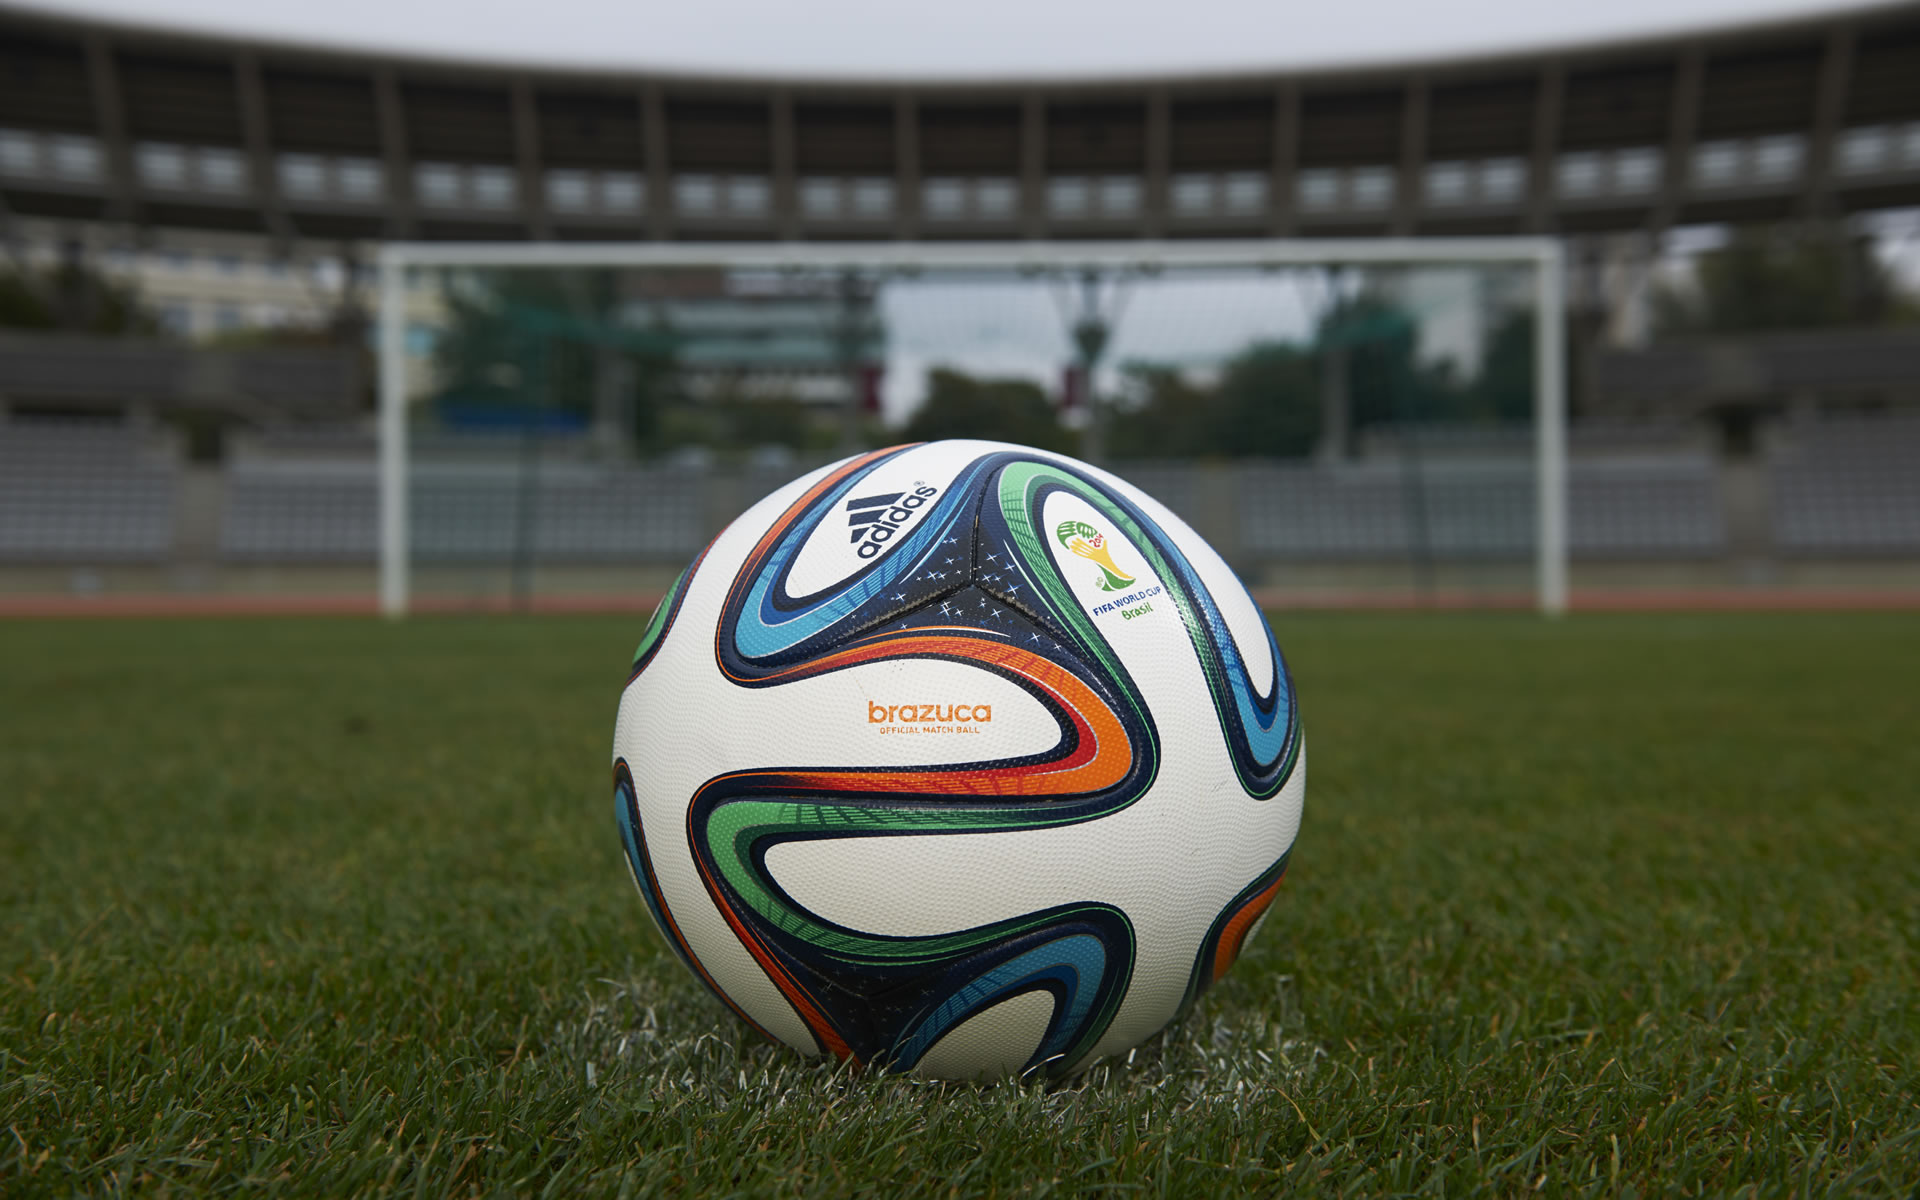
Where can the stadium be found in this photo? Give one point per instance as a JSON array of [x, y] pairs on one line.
[[1558, 405]]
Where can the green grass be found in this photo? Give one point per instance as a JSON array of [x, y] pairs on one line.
[[1607, 905]]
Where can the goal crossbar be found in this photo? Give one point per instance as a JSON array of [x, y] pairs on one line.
[[1543, 255]]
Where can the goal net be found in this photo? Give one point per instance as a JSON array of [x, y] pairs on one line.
[[1347, 421]]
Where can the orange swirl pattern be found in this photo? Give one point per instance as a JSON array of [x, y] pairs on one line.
[[1100, 758], [1234, 934]]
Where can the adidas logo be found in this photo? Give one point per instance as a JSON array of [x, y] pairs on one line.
[[873, 520]]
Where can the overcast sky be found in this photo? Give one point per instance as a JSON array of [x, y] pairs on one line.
[[971, 39]]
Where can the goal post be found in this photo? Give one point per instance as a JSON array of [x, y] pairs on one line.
[[1061, 267]]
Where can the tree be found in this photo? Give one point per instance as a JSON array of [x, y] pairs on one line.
[[1011, 410], [524, 341], [1264, 404], [503, 345], [1386, 384], [1266, 401], [1774, 279], [1503, 389], [1164, 414], [1269, 402], [72, 296]]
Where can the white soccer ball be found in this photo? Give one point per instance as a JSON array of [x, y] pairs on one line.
[[959, 758]]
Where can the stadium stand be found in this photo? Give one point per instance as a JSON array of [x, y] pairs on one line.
[[1300, 511], [619, 515], [329, 511], [1645, 508], [1642, 507], [79, 493], [300, 512], [268, 384], [1847, 486], [101, 121], [116, 128], [1680, 378]]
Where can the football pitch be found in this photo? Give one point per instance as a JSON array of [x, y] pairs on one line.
[[1606, 906]]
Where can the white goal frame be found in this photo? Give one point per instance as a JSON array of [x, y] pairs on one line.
[[1542, 254]]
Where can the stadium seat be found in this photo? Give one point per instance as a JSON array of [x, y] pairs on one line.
[[1632, 508], [72, 492], [1645, 508], [461, 512], [1847, 486], [300, 512]]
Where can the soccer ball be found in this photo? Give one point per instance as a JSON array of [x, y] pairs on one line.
[[959, 758]]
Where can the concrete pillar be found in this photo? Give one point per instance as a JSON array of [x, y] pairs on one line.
[[527, 159], [199, 503], [906, 166], [1549, 102], [1746, 509], [1158, 166], [1033, 165], [1408, 197], [612, 403], [786, 198], [1336, 402], [1690, 71], [653, 125], [1286, 155]]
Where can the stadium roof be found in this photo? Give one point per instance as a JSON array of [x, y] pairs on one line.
[[1807, 117], [983, 41]]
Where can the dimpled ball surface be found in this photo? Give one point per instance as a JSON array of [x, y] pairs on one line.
[[959, 758]]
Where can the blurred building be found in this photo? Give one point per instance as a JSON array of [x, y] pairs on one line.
[[233, 179], [151, 131], [763, 336]]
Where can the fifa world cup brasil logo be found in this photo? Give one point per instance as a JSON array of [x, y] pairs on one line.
[[1089, 543]]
